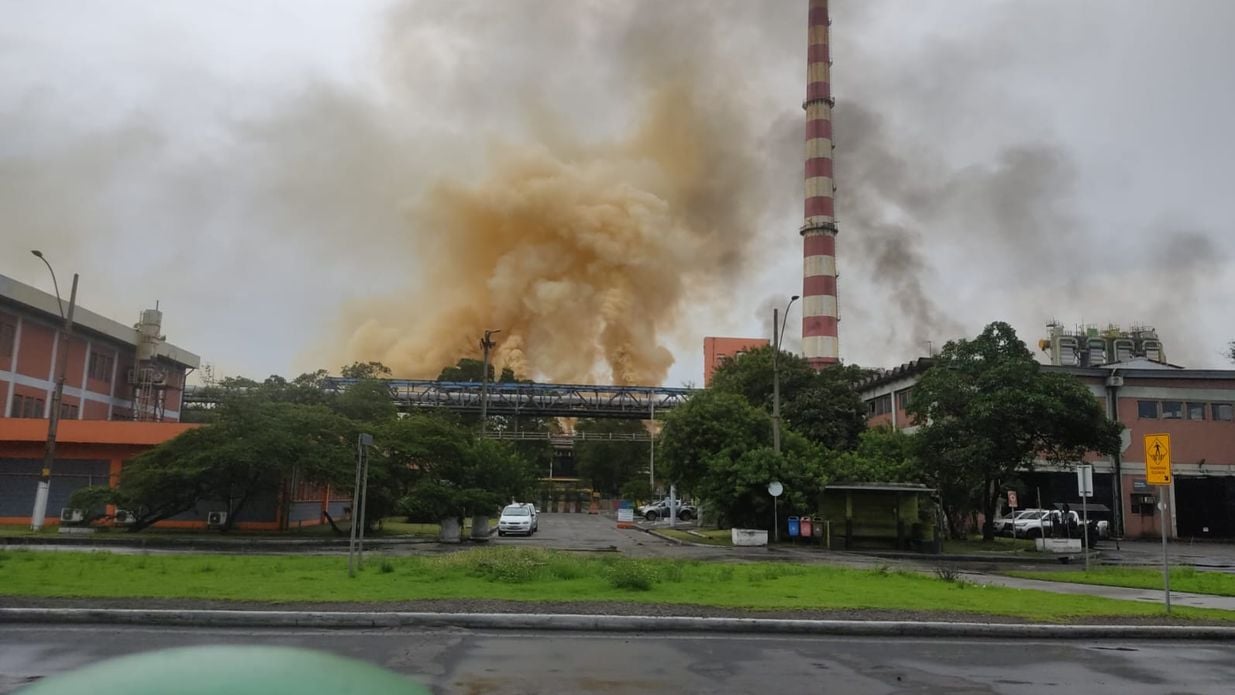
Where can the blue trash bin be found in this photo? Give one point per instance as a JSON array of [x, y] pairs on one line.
[[794, 527]]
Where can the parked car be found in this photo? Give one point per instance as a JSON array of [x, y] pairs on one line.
[[1003, 527], [1041, 523], [518, 518], [660, 510]]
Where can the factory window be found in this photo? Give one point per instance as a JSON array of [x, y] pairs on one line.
[[1144, 504], [1222, 411], [27, 406], [100, 366], [8, 332], [902, 399], [1196, 411], [1147, 410], [881, 405], [1172, 410], [68, 411]]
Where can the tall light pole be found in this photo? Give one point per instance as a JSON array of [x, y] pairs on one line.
[[778, 331], [53, 419], [486, 343]]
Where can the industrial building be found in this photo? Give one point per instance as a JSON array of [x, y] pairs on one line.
[[716, 351], [122, 395], [1146, 396]]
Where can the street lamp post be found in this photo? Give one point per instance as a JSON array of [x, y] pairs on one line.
[[53, 418], [486, 343], [778, 332]]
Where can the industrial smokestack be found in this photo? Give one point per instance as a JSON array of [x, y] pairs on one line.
[[819, 315]]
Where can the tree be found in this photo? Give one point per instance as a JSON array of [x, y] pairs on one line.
[[736, 486], [365, 370], [1230, 351], [368, 400], [431, 466], [468, 369], [829, 411], [710, 423], [883, 455], [608, 464], [990, 410], [252, 450], [823, 406]]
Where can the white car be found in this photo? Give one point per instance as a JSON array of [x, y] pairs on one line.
[[518, 518], [1004, 526]]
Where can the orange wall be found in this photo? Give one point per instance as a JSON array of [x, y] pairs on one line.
[[1191, 440], [717, 350], [34, 354]]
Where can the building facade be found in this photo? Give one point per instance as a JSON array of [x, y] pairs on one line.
[[717, 350], [113, 371], [1193, 406]]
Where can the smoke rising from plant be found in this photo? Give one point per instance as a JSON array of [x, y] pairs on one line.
[[584, 251]]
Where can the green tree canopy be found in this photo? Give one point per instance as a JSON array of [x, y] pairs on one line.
[[608, 464], [990, 410], [821, 405], [468, 369], [883, 455], [368, 400], [709, 423], [365, 370], [253, 448]]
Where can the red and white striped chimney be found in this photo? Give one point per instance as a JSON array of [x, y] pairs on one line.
[[819, 315]]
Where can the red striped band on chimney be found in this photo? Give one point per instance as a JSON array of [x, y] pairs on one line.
[[819, 310]]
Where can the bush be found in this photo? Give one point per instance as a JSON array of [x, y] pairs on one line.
[[386, 567], [632, 575]]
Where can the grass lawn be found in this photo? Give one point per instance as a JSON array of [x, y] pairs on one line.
[[1186, 579], [527, 574], [998, 545], [704, 536]]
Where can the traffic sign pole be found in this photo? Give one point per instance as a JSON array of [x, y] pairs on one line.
[[1166, 567], [1158, 472]]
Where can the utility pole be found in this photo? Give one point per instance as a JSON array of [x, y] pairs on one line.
[[486, 343], [53, 416], [652, 447], [778, 330], [360, 491]]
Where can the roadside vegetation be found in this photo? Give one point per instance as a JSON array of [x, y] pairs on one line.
[[703, 536], [1186, 579], [532, 575]]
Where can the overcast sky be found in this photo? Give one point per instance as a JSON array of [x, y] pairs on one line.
[[256, 167]]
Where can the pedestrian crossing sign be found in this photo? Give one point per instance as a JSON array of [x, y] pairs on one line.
[[1158, 459]]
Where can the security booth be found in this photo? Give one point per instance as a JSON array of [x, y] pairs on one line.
[[883, 515]]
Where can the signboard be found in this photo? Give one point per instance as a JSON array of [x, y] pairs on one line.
[[1084, 481], [1140, 486], [1158, 459], [1012, 499], [775, 488], [626, 514]]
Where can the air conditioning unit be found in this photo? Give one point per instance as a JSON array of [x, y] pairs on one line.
[[124, 517], [71, 516], [216, 519]]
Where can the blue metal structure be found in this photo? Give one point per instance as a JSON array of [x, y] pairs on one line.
[[531, 400]]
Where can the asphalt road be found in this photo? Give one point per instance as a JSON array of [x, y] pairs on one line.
[[460, 661]]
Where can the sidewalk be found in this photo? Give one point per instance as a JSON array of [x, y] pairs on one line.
[[1115, 592]]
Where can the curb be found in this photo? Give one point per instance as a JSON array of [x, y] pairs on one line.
[[596, 623]]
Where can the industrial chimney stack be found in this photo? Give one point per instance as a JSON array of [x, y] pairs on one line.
[[819, 315]]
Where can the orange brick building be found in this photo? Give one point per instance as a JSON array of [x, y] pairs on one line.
[[122, 396], [1196, 407], [717, 350]]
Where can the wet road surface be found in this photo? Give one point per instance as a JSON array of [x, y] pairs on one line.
[[461, 661]]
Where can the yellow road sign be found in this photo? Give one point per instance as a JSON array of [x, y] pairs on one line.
[[1158, 459]]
